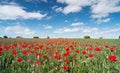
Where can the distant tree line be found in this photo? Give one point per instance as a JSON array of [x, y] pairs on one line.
[[86, 37], [18, 37], [37, 37]]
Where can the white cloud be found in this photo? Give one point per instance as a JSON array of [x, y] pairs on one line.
[[77, 24], [19, 30], [13, 12], [102, 20], [100, 9], [73, 5], [47, 27], [71, 9], [88, 30], [65, 30], [84, 29], [104, 7], [110, 30]]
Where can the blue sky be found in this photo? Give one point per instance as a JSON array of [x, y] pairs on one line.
[[60, 18]]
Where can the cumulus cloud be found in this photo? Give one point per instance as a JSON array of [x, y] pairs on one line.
[[19, 30], [102, 8], [99, 8], [72, 6], [13, 12]]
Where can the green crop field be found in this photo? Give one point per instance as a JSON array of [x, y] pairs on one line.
[[59, 55]]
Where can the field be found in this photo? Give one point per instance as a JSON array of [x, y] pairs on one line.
[[60, 55]]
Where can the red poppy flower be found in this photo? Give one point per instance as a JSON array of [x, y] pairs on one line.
[[90, 55], [38, 55], [67, 49], [106, 46], [90, 49], [41, 47], [19, 59], [15, 53], [25, 52], [58, 57], [77, 51], [97, 49], [38, 63], [7, 47], [84, 52], [1, 52], [113, 58], [57, 53], [65, 68], [66, 54], [1, 49], [112, 49]]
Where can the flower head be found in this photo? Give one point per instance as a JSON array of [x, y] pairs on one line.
[[19, 59], [113, 58]]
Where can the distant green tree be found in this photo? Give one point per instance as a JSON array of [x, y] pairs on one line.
[[36, 37], [5, 36], [86, 37], [18, 37], [101, 37], [48, 37]]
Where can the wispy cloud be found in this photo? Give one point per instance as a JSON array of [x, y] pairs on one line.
[[66, 21], [102, 20], [88, 30], [38, 1], [47, 27], [77, 24], [66, 30]]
